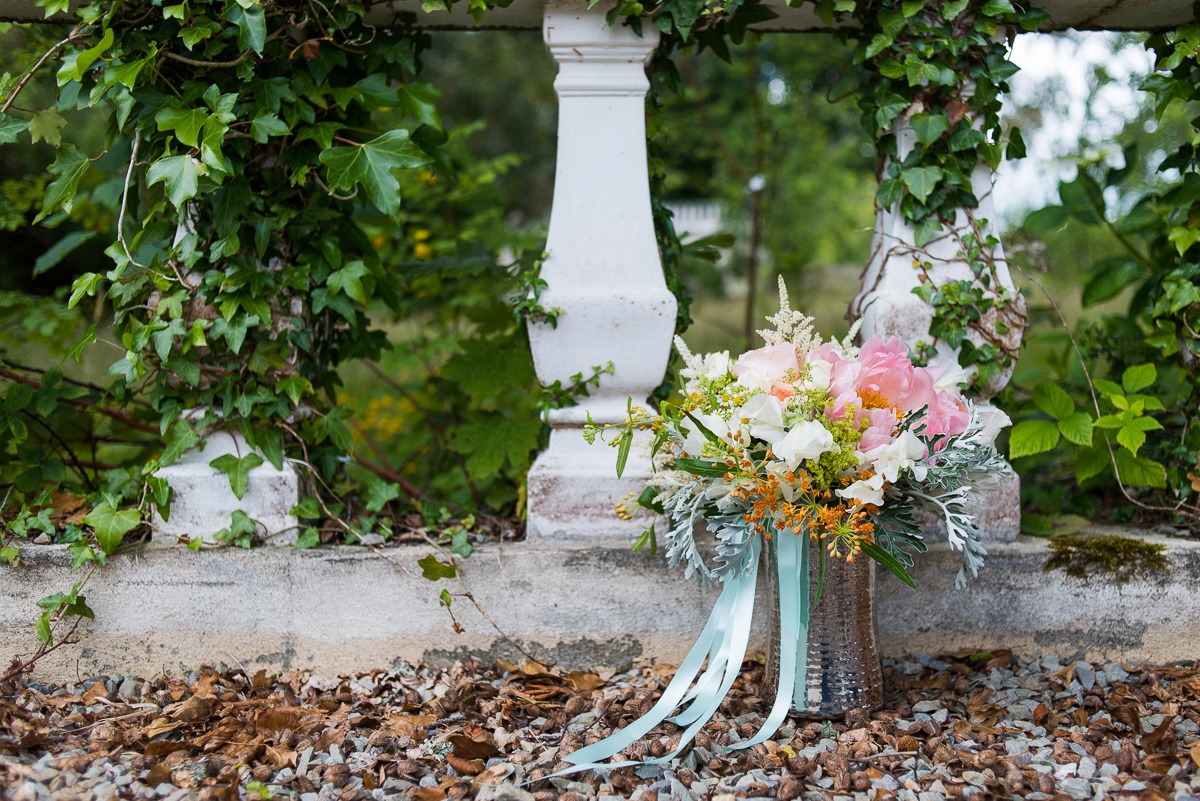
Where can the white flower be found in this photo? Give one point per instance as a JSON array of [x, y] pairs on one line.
[[764, 367], [819, 372], [693, 444], [762, 416], [992, 420], [953, 379], [865, 491], [808, 440], [900, 454]]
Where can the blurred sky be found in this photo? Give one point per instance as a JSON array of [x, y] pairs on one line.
[[1057, 73]]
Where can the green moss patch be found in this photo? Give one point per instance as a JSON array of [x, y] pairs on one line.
[[1123, 558]]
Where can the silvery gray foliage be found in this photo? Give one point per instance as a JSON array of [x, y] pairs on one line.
[[735, 549], [684, 507]]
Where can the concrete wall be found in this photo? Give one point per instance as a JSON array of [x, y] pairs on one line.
[[346, 609]]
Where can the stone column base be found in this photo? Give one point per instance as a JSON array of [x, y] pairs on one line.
[[202, 502]]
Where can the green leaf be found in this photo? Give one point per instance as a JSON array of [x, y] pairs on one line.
[[240, 532], [921, 181], [309, 538], [885, 558], [371, 165], [307, 508], [349, 280], [952, 9], [700, 467], [60, 249], [623, 446], [380, 493], [238, 470], [1131, 437], [112, 525], [433, 570], [266, 126], [10, 128], [491, 439], [1139, 377], [445, 599], [1016, 145], [485, 369], [252, 26], [1108, 278], [1091, 462], [187, 123], [1053, 400], [1031, 437], [1046, 220], [9, 554], [995, 8], [1077, 428], [1106, 387], [127, 74], [929, 127], [42, 628], [76, 64], [181, 174], [70, 165], [1137, 471]]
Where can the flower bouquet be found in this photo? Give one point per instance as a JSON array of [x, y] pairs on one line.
[[797, 442]]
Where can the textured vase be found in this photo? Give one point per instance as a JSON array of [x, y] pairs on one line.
[[843, 661]]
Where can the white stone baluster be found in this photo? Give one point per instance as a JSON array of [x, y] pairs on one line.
[[886, 305], [603, 270]]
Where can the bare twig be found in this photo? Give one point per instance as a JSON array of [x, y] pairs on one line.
[[16, 90], [210, 64]]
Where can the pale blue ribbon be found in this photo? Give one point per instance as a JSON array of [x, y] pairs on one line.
[[723, 644]]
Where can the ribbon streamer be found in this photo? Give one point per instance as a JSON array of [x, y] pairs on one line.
[[723, 645]]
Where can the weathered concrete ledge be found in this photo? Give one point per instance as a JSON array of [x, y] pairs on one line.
[[346, 609]]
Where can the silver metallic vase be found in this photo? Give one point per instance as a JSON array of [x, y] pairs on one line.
[[843, 662]]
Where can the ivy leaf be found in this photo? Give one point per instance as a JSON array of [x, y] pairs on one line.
[[380, 493], [127, 74], [371, 165], [47, 126], [1016, 145], [433, 570], [1077, 428], [996, 8], [266, 126], [187, 123], [929, 127], [70, 165], [112, 525], [417, 99], [921, 181], [484, 369], [238, 470], [1031, 437], [1053, 400], [76, 64], [1046, 220], [252, 26], [10, 128], [307, 508], [181, 174], [1106, 279], [349, 280]]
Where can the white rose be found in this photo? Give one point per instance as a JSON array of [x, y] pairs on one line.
[[808, 440], [864, 492], [716, 365], [762, 416]]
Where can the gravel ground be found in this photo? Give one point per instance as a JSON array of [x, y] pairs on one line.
[[955, 726]]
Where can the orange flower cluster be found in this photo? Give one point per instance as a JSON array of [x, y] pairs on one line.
[[844, 531]]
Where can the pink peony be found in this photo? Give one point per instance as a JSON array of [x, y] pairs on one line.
[[947, 415], [879, 430], [763, 368], [888, 372]]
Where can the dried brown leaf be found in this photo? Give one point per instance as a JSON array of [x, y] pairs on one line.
[[281, 756], [97, 690], [580, 681], [1161, 740], [193, 710]]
